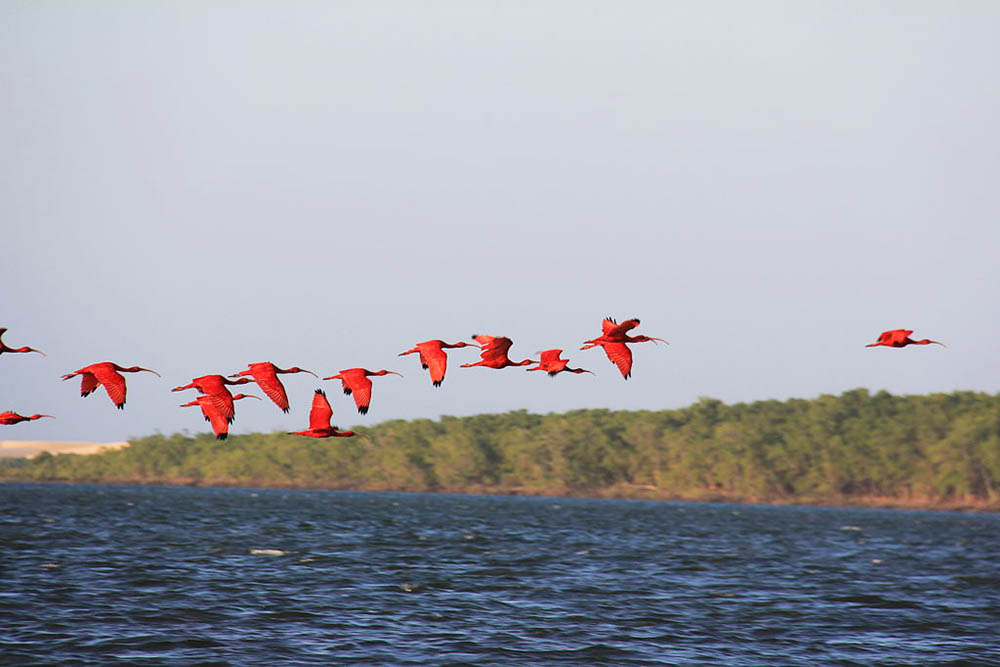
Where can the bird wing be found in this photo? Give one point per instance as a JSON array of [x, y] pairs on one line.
[[88, 383], [548, 356], [271, 385], [436, 361], [496, 348], [484, 340], [620, 356], [209, 408], [113, 383], [320, 413], [222, 402], [619, 330], [895, 335], [361, 388]]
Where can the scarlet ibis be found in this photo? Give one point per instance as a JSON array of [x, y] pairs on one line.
[[494, 353], [614, 338], [106, 373], [319, 420], [901, 338], [612, 332], [214, 386], [553, 364], [433, 357], [4, 348], [266, 375], [355, 381], [209, 408], [9, 417]]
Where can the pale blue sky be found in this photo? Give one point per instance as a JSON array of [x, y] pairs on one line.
[[766, 185]]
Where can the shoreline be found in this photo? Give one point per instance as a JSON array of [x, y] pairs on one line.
[[962, 505]]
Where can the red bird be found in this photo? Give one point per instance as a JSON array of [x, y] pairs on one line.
[[901, 338], [355, 381], [613, 339], [214, 386], [494, 353], [210, 410], [4, 348], [8, 418], [319, 420], [106, 373], [433, 357], [265, 374], [553, 364]]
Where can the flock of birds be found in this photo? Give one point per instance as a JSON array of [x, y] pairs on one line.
[[217, 402]]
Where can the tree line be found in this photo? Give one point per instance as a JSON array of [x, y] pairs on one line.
[[938, 448]]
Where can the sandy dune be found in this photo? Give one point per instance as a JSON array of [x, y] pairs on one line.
[[19, 448]]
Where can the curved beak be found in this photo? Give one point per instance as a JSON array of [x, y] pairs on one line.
[[39, 352], [49, 416], [395, 373], [150, 371], [658, 339], [310, 373]]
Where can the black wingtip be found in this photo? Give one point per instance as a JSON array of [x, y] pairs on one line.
[[221, 436], [363, 409], [321, 392], [285, 410], [120, 406], [347, 392], [438, 383], [552, 374], [424, 366]]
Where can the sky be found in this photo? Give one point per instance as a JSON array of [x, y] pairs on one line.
[[767, 186]]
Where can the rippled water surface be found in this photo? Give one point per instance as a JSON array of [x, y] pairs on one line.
[[175, 575]]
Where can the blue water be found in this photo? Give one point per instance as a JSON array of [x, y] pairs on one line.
[[178, 575]]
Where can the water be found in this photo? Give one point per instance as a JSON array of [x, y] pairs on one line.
[[176, 575]]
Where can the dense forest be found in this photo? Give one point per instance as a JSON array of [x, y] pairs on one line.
[[939, 449]]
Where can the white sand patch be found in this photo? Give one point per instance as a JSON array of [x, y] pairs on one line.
[[30, 448]]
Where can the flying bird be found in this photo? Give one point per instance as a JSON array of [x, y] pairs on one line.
[[355, 381], [901, 338], [553, 364], [434, 358], [265, 374], [10, 417], [494, 353], [210, 410], [4, 348], [319, 420], [614, 340], [106, 373], [214, 386]]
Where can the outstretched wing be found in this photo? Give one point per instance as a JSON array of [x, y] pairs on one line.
[[220, 424], [619, 330], [320, 413], [895, 336], [88, 383], [270, 384], [361, 389], [620, 356], [113, 383], [549, 356], [436, 361], [494, 347]]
